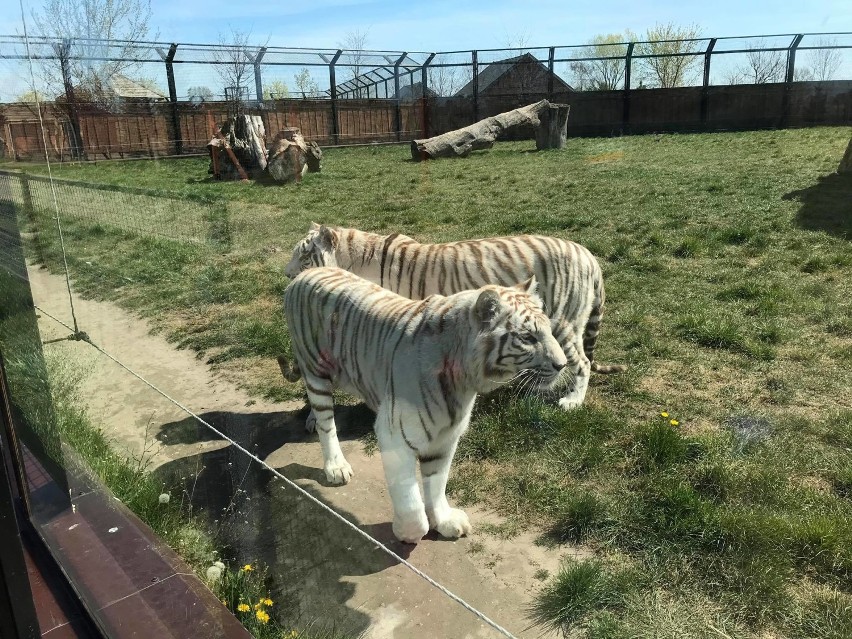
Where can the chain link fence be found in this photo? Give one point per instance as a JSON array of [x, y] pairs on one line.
[[108, 99]]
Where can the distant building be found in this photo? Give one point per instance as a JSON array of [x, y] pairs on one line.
[[522, 75], [128, 89], [414, 91]]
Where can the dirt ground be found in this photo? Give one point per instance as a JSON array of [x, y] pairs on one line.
[[338, 575]]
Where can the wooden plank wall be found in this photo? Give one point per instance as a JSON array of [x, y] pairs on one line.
[[146, 130]]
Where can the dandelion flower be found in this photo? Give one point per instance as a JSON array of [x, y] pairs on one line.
[[267, 601], [248, 568], [664, 414], [214, 573], [243, 607], [164, 498], [674, 422], [257, 606], [219, 565], [262, 616]]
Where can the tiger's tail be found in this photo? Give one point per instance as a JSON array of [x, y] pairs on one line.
[[590, 333], [289, 369]]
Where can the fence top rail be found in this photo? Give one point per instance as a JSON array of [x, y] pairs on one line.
[[151, 45]]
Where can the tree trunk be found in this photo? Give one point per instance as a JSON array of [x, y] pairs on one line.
[[552, 133], [240, 146], [846, 162], [290, 157], [477, 136]]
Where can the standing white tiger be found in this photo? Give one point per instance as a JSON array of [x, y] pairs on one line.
[[569, 277], [419, 365]]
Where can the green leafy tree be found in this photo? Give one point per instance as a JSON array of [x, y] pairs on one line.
[[670, 70], [306, 84], [601, 74], [275, 90]]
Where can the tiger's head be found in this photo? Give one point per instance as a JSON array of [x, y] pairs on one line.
[[317, 248], [513, 337]]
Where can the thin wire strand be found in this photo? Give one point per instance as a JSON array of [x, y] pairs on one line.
[[49, 168], [299, 489]]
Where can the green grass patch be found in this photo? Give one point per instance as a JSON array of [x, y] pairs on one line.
[[728, 272]]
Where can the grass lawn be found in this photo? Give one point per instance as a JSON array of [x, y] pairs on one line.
[[728, 268]]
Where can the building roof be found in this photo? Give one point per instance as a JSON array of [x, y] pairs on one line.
[[124, 87], [494, 71], [415, 91]]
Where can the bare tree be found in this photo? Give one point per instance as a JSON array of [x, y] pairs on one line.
[[527, 73], [674, 48], [235, 65], [822, 63], [96, 40], [355, 43], [600, 74], [760, 66], [306, 84], [445, 81]]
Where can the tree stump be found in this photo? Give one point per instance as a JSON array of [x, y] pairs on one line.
[[238, 148], [290, 157], [846, 162], [552, 133], [481, 135]]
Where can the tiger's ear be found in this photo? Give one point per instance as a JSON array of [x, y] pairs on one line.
[[327, 238], [530, 287], [487, 306], [314, 227]]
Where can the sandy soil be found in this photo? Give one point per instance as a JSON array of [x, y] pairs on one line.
[[324, 570]]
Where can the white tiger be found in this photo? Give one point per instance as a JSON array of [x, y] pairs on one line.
[[569, 277], [419, 365]]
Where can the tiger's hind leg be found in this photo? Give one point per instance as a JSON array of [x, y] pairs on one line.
[[337, 469], [580, 368]]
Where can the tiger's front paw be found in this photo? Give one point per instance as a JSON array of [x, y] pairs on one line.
[[338, 471], [570, 403], [410, 528], [456, 524]]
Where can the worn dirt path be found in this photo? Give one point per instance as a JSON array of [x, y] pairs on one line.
[[340, 576]]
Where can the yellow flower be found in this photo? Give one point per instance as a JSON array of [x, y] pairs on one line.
[[266, 602], [664, 414], [243, 608], [674, 422], [257, 606], [262, 616], [248, 568], [224, 602]]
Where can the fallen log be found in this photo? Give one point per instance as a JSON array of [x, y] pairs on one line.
[[461, 142]]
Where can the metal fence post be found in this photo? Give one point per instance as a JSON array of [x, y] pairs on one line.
[[335, 123], [705, 85], [173, 101], [258, 81], [628, 63], [475, 61], [550, 67], [424, 90], [397, 97], [789, 78]]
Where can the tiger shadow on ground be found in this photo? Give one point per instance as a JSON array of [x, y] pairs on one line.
[[310, 554], [826, 205]]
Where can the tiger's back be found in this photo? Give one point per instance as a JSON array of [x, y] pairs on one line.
[[570, 278]]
